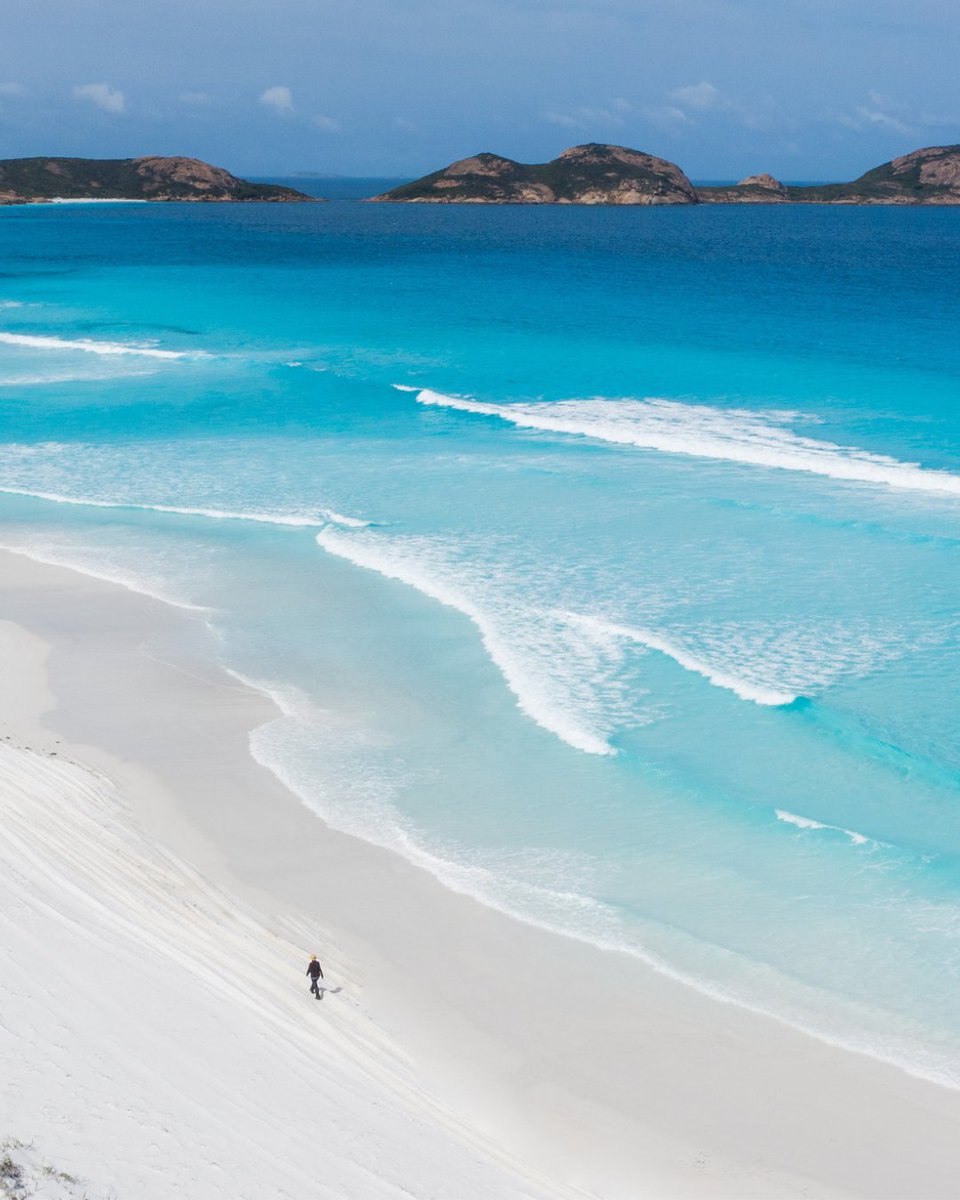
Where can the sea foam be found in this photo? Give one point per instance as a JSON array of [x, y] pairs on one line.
[[720, 678], [553, 667], [314, 520], [89, 346], [790, 818], [758, 438]]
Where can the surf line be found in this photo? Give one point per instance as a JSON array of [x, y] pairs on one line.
[[318, 520], [751, 438], [531, 697], [89, 346], [858, 839], [767, 697]]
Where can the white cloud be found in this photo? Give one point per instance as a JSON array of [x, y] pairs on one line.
[[864, 118], [567, 120], [404, 125], [327, 124], [878, 100], [882, 113], [102, 95], [667, 116], [585, 117], [195, 99], [12, 89], [705, 98], [280, 99], [702, 97]]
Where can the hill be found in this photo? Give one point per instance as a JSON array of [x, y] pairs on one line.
[[757, 189], [25, 180], [591, 174], [928, 176], [597, 173]]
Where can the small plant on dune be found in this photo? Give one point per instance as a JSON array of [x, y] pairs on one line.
[[11, 1177]]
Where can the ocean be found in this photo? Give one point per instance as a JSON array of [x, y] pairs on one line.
[[604, 562]]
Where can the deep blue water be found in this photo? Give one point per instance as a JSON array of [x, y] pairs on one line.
[[602, 560]]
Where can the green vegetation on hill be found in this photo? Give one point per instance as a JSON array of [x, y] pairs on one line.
[[594, 173], [928, 176], [148, 178], [602, 174]]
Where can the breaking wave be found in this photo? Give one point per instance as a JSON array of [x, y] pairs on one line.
[[757, 438], [648, 638], [789, 818], [89, 346], [556, 668]]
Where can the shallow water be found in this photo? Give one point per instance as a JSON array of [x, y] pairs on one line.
[[603, 561]]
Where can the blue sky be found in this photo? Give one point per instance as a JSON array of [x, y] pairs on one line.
[[806, 89]]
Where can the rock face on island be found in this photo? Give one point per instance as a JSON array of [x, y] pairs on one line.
[[755, 189], [590, 174], [25, 180], [928, 176], [601, 174]]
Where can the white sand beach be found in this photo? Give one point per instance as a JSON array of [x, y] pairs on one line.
[[162, 892]]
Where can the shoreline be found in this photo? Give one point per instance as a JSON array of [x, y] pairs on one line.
[[588, 1066]]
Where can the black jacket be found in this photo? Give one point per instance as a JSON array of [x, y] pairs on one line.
[[314, 971]]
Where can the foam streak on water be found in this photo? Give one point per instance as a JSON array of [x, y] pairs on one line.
[[731, 435], [91, 346], [297, 520], [719, 677], [789, 818]]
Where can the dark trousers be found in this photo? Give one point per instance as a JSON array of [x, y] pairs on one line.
[[315, 990]]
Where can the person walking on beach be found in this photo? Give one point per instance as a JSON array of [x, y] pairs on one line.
[[315, 971]]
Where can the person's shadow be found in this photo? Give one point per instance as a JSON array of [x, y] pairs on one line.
[[321, 990]]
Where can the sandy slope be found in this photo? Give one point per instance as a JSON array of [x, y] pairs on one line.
[[152, 1036]]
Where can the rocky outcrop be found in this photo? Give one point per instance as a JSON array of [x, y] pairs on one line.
[[24, 180], [591, 174], [602, 174], [766, 182], [928, 176], [755, 189]]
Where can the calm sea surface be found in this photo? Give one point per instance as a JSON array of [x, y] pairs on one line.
[[604, 561]]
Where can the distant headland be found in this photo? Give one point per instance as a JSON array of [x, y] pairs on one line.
[[595, 173], [152, 177], [602, 174]]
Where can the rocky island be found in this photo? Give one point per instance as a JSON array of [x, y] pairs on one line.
[[602, 174], [590, 174], [33, 180], [755, 189], [928, 176]]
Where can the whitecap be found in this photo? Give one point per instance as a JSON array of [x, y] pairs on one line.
[[549, 664], [652, 640], [90, 346], [756, 438], [858, 839]]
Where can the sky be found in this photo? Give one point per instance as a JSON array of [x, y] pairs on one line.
[[804, 89]]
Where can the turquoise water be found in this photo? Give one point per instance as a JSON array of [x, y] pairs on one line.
[[602, 561]]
